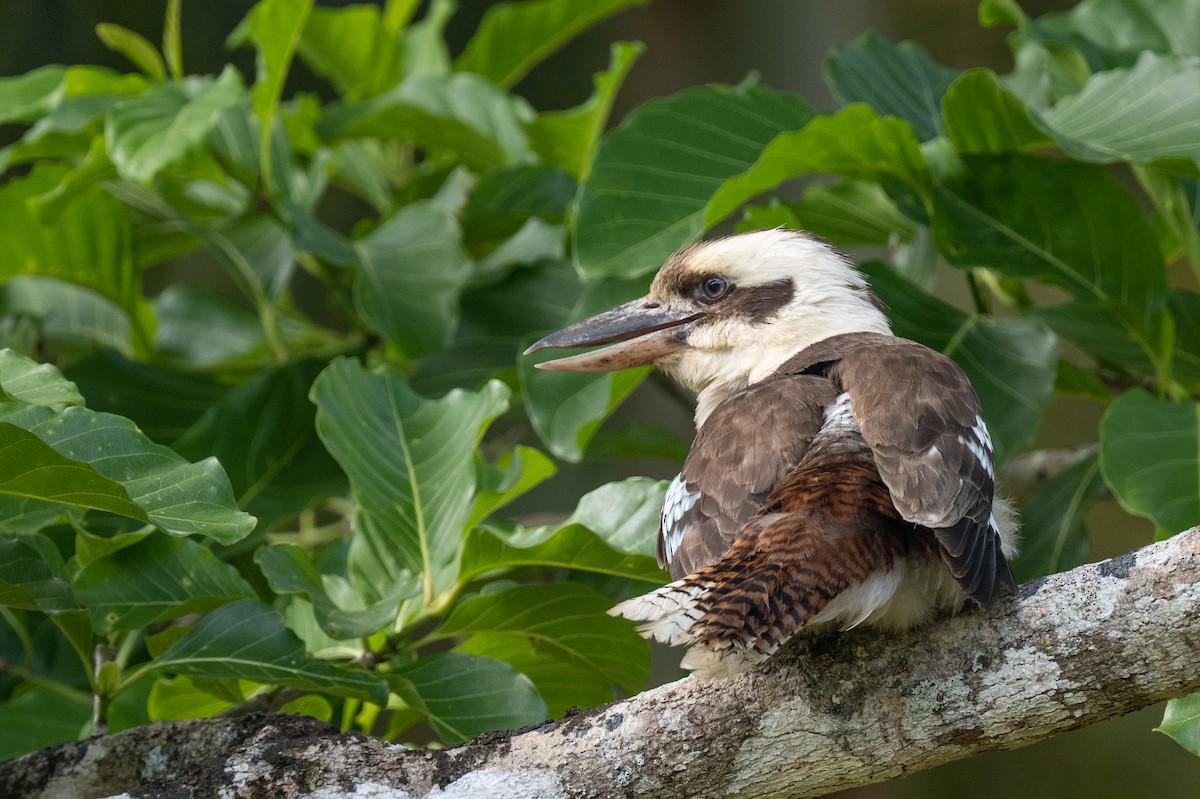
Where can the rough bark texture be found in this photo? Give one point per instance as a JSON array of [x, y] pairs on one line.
[[828, 713]]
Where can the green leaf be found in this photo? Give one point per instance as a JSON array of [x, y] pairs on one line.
[[512, 38], [564, 622], [64, 312], [28, 382], [1150, 111], [354, 48], [289, 570], [90, 243], [496, 318], [97, 460], [1010, 362], [247, 640], [264, 434], [1181, 722], [45, 716], [1053, 535], [625, 514], [178, 698], [33, 576], [566, 408], [852, 212], [460, 114], [899, 80], [135, 47], [1148, 453], [275, 27], [409, 461], [516, 472], [1065, 223], [1117, 30], [411, 271], [462, 695], [163, 124], [569, 138], [163, 402], [982, 116], [32, 469], [25, 98], [155, 579], [653, 177], [854, 143], [571, 546]]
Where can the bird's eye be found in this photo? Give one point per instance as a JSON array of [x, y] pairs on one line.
[[715, 288]]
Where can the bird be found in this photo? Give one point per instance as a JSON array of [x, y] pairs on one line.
[[840, 475]]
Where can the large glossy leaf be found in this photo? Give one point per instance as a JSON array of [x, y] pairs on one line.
[[899, 80], [1148, 453], [653, 176], [1053, 536], [1181, 721], [1011, 362], [247, 640], [153, 580], [32, 575], [569, 138], [571, 546], [855, 143], [461, 114], [135, 47], [410, 463], [1065, 223], [512, 38], [980, 115], [97, 460], [158, 127], [1150, 111], [289, 570], [411, 271], [264, 435], [463, 695], [564, 622]]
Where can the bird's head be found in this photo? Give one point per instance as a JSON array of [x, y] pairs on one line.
[[726, 313]]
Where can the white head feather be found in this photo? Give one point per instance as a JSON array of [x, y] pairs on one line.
[[728, 352]]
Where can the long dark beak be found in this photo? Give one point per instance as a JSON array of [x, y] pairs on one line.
[[640, 332]]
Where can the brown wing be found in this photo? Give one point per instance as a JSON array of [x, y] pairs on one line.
[[746, 446], [921, 419]]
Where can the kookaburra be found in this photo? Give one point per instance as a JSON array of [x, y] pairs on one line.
[[840, 474]]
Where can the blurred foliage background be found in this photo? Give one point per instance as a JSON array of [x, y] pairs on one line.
[[685, 44]]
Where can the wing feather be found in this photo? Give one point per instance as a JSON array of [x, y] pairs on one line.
[[745, 447], [922, 420]]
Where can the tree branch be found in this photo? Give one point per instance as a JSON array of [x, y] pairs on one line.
[[829, 713]]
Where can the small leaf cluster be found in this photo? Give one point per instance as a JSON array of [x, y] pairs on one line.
[[259, 407]]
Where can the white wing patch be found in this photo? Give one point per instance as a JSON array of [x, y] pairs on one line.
[[677, 502], [979, 442]]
